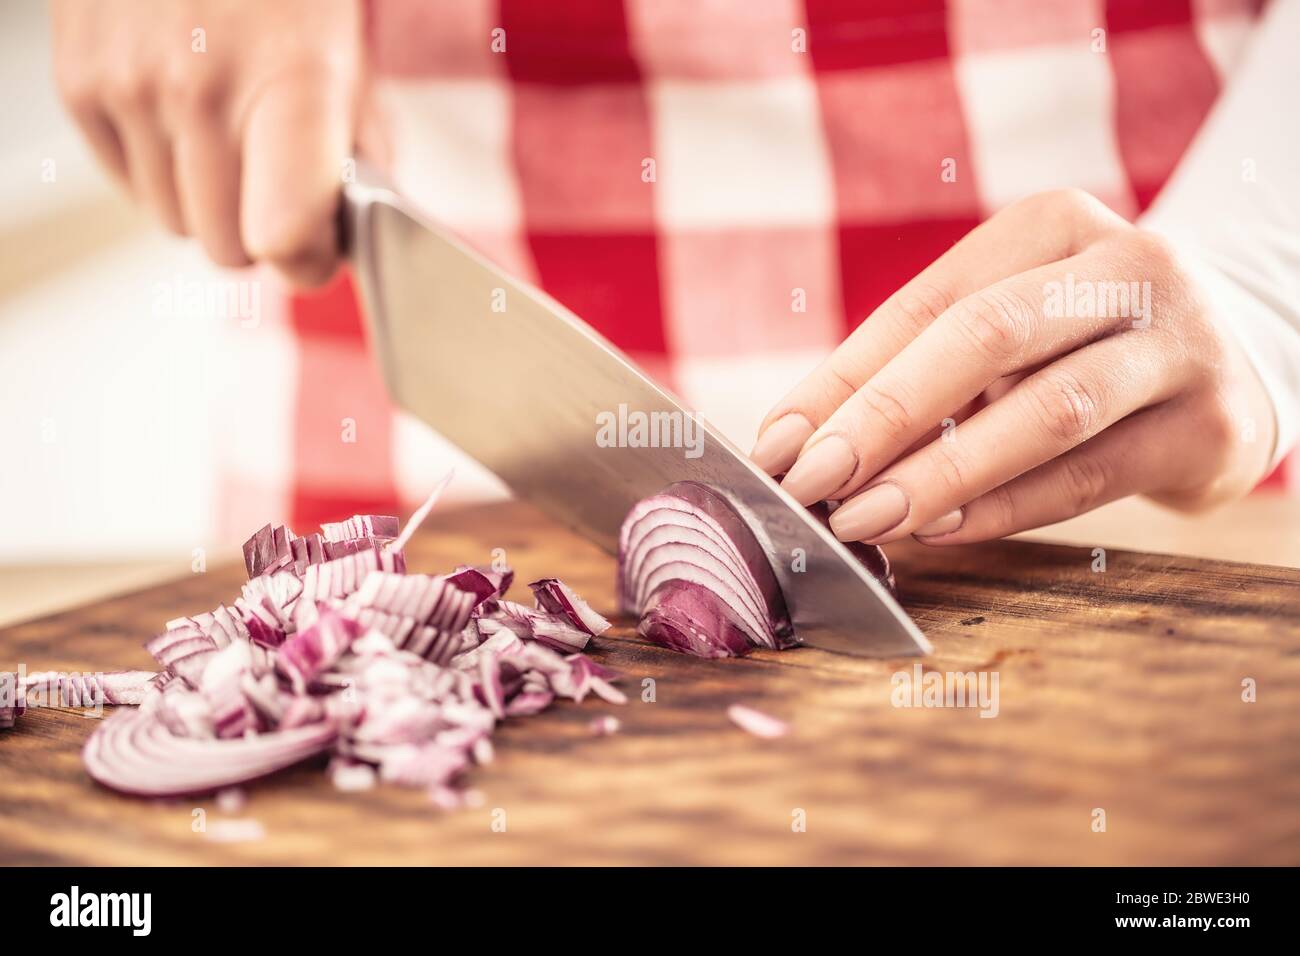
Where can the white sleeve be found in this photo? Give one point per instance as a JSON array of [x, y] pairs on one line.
[[1233, 207]]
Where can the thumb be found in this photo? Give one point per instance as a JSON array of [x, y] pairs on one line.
[[297, 136]]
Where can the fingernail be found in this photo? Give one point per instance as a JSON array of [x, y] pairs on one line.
[[820, 470], [871, 513], [778, 446], [945, 525]]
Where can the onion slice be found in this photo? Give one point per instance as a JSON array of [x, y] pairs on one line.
[[133, 752], [558, 598], [422, 512], [756, 722]]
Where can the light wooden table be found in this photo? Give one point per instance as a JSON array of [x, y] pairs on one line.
[[1120, 692]]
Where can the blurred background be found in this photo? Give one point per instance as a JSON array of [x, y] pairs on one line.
[[147, 403]]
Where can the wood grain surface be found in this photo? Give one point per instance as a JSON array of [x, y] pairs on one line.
[[1118, 690]]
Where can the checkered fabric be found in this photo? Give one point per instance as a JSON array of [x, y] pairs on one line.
[[685, 174]]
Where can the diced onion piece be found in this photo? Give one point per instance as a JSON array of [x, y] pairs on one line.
[[756, 722], [558, 598]]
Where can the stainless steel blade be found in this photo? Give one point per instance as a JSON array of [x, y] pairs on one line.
[[523, 385]]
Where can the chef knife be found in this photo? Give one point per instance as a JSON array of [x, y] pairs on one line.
[[570, 424]]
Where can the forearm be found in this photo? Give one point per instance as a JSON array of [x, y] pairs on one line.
[[1233, 206]]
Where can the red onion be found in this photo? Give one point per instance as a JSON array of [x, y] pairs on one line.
[[686, 617], [134, 752], [361, 526], [333, 647], [693, 570], [13, 702], [699, 579], [487, 583], [60, 689], [557, 598], [268, 550], [313, 650]]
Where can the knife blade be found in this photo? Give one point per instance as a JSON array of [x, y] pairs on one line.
[[570, 424]]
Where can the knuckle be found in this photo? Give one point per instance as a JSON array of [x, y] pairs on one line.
[[1002, 510], [1074, 214], [918, 307], [1085, 478], [193, 93], [889, 411], [75, 86], [1069, 202], [1068, 410], [1202, 497], [997, 325], [952, 471], [1218, 430], [128, 91], [835, 386], [1156, 253]]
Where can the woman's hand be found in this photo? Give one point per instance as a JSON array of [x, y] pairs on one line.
[[231, 120], [1055, 359]]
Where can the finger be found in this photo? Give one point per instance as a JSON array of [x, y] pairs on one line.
[[946, 426], [1043, 417], [1135, 456], [74, 36], [99, 132], [993, 333], [148, 153], [207, 181], [296, 139], [1041, 229]]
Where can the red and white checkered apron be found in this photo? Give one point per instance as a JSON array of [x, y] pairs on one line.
[[681, 172]]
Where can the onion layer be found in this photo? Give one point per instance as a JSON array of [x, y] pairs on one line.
[[693, 570], [698, 577]]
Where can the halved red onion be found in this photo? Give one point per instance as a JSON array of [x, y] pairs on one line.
[[687, 617], [699, 578], [693, 570]]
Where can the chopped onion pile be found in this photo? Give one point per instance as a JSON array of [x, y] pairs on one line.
[[333, 648], [701, 582]]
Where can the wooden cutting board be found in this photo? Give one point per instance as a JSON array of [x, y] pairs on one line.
[[1120, 691]]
